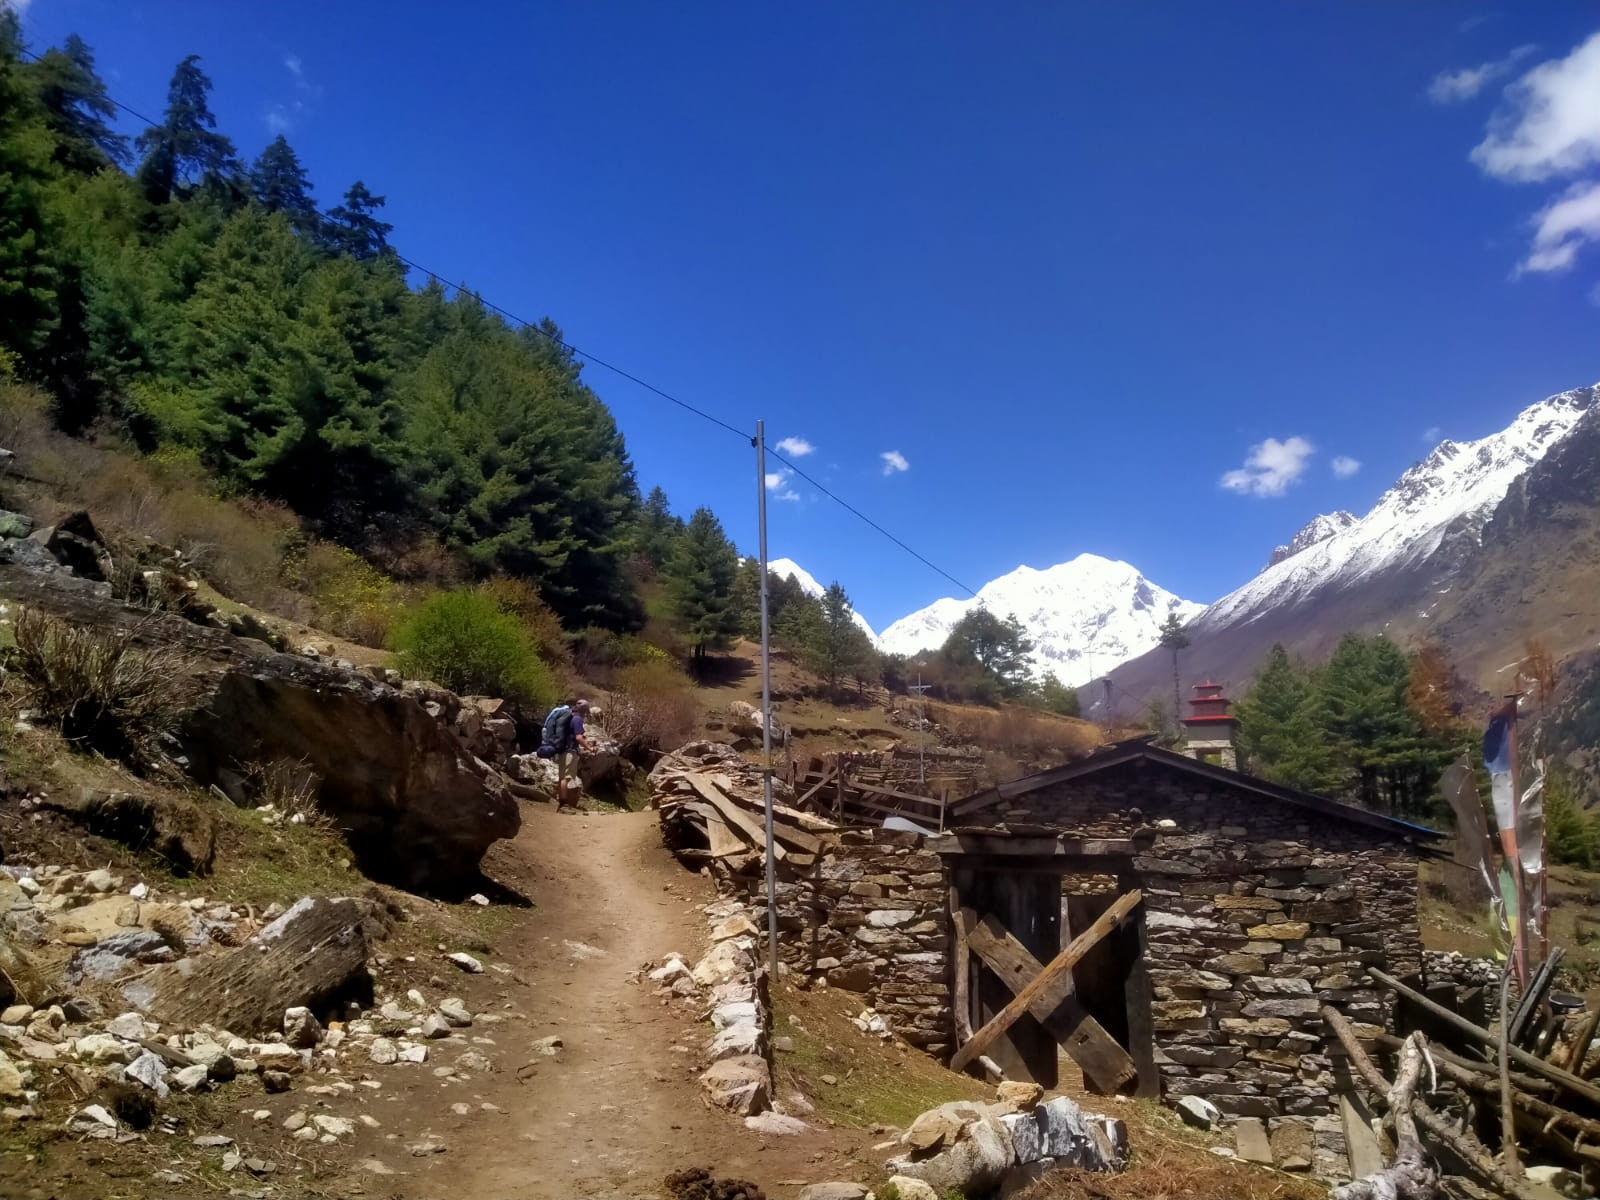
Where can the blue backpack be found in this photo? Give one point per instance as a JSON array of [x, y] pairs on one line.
[[557, 726]]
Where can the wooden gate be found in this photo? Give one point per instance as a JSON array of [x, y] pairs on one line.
[[1040, 968]]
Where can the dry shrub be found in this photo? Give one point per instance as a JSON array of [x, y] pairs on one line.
[[651, 707], [290, 786], [1019, 732], [351, 598], [102, 692]]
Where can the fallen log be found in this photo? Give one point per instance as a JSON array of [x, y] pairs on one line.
[[1466, 1147], [312, 954], [1409, 1177]]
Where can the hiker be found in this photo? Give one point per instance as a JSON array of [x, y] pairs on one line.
[[563, 739]]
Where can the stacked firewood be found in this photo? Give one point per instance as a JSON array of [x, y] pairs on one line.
[[1522, 1093], [712, 814]]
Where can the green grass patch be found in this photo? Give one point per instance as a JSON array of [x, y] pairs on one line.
[[875, 1082]]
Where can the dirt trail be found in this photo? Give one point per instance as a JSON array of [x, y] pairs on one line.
[[619, 1108]]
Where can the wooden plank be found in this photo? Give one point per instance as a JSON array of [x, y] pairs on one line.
[[961, 968], [1529, 1062], [813, 790], [1359, 1140], [894, 794], [1080, 945], [1524, 1022], [1057, 1009], [1138, 1005], [1580, 1045], [734, 815]]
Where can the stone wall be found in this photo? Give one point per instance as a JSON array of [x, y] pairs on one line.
[[1257, 912]]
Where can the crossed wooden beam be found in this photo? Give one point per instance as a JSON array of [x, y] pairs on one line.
[[1046, 992]]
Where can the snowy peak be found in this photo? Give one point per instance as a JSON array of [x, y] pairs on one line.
[[787, 568], [1318, 529], [1083, 616], [1439, 504]]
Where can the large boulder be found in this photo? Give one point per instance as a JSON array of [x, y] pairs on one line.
[[416, 809], [959, 1147]]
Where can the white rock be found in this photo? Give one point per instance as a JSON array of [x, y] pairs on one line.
[[724, 962], [1199, 1112], [418, 999], [383, 1052], [99, 881], [97, 1115], [301, 1029], [295, 1121], [150, 1071], [29, 885], [913, 1189], [103, 1048], [139, 891], [775, 1123], [335, 1126], [479, 899], [17, 1014], [673, 968], [466, 962], [454, 1011], [190, 1078], [413, 1052], [736, 1040], [741, 1013], [126, 1025], [435, 1027]]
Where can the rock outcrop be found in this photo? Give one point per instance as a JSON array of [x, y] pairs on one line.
[[417, 810]]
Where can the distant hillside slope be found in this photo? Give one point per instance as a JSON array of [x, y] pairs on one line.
[[1481, 545]]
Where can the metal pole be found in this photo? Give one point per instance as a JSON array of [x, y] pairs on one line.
[[766, 705]]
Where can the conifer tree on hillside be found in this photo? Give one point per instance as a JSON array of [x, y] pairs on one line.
[[658, 529], [28, 276], [998, 648], [353, 228], [1058, 697], [1175, 639], [1280, 727], [77, 108], [280, 185], [700, 579], [185, 148], [841, 648]]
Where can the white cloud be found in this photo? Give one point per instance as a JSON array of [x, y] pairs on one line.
[[778, 485], [1449, 87], [1564, 226], [1548, 122], [894, 461], [1270, 467], [17, 6], [1431, 434], [279, 120], [796, 447], [1344, 466], [293, 63]]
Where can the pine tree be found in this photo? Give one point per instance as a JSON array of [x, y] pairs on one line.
[[700, 581], [998, 648], [77, 108], [185, 148], [1175, 639], [279, 184], [843, 648], [353, 229], [1058, 697], [1280, 726], [658, 529], [28, 273]]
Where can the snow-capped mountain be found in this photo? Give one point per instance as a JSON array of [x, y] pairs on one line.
[[787, 568], [1432, 558], [1318, 529], [1447, 496], [1083, 616]]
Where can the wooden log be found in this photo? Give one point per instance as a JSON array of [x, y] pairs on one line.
[[1524, 1023], [1483, 1085], [1525, 1083], [1466, 1147], [308, 956], [1580, 1047], [813, 790], [961, 969], [1529, 1062], [1023, 1001], [1103, 1061], [1410, 1177]]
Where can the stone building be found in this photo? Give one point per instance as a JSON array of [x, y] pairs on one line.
[[1259, 904]]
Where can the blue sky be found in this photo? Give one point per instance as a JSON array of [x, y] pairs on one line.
[[1073, 265]]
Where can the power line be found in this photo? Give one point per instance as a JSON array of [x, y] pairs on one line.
[[848, 507], [630, 377]]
